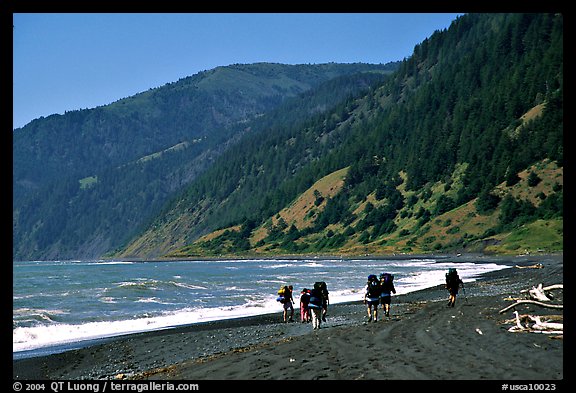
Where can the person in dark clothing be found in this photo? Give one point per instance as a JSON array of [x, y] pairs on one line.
[[290, 303], [304, 309], [372, 297], [316, 306], [387, 289], [453, 283], [325, 301]]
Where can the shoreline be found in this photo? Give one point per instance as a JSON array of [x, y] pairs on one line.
[[398, 256], [222, 349], [66, 342], [67, 346]]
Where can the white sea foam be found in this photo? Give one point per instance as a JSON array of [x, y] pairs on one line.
[[187, 286], [312, 264], [279, 266], [28, 338]]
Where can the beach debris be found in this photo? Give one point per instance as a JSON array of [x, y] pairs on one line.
[[543, 325], [518, 302], [537, 326], [536, 266], [540, 296], [537, 295], [479, 331]]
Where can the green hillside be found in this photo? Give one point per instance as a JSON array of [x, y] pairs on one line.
[[86, 182], [461, 229], [457, 148], [461, 149]]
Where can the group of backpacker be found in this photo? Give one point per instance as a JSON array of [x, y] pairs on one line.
[[379, 291], [313, 303]]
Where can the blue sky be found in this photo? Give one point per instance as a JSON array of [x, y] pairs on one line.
[[73, 61]]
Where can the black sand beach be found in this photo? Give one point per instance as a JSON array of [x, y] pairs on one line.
[[423, 339]]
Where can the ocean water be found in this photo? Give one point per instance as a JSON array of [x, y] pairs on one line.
[[62, 302]]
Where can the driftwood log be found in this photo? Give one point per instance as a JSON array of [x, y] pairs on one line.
[[518, 302], [536, 266], [534, 323], [538, 325], [538, 293], [538, 297]]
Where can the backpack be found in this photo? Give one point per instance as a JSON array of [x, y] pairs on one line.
[[387, 283], [322, 288], [388, 278], [320, 285], [283, 294], [452, 277], [374, 288], [316, 298]]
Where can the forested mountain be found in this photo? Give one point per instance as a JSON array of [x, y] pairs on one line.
[[458, 147], [85, 182], [462, 148]]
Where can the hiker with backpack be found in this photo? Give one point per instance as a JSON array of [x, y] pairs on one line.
[[387, 289], [304, 302], [285, 298], [316, 306], [372, 297], [453, 283], [323, 288]]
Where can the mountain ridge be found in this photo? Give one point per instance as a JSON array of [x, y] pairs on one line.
[[457, 148], [440, 128], [109, 148]]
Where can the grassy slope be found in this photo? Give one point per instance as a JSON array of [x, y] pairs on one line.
[[302, 211], [460, 229]]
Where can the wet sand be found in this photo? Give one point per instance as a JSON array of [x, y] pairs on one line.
[[423, 339]]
